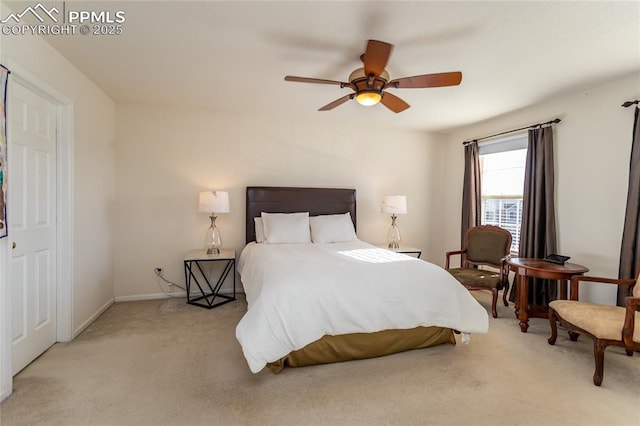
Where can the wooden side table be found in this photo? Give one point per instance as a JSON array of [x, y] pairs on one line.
[[209, 292], [539, 268], [403, 249]]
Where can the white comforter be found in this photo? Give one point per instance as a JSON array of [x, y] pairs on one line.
[[297, 293]]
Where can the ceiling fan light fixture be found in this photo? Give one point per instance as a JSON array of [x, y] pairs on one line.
[[368, 97], [369, 83]]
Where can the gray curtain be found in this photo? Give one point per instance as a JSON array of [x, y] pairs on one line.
[[630, 250], [471, 190], [538, 232]]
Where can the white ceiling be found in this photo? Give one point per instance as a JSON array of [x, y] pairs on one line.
[[233, 56]]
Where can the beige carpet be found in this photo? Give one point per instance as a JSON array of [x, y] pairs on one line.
[[165, 362]]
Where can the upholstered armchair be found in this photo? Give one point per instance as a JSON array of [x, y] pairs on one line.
[[485, 246], [605, 324]]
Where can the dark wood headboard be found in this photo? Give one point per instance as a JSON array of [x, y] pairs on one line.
[[316, 201]]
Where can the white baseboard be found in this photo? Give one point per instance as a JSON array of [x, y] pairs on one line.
[[154, 296], [93, 317]]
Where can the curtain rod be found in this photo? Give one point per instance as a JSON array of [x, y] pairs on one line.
[[533, 126], [629, 103]]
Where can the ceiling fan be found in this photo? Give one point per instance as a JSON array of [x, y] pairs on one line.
[[370, 83]]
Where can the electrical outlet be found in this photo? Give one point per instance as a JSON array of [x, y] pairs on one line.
[[158, 271]]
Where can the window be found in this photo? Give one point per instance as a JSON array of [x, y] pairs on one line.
[[502, 164]]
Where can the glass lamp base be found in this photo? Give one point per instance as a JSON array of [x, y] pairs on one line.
[[213, 239], [393, 236]]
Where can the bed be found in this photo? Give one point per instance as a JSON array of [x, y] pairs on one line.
[[337, 298]]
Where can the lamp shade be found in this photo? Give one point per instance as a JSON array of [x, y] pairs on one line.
[[394, 204], [213, 202]]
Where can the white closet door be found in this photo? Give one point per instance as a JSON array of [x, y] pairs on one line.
[[32, 128]]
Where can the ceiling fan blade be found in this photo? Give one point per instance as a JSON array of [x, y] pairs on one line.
[[314, 80], [337, 102], [427, 80], [376, 57], [393, 102]]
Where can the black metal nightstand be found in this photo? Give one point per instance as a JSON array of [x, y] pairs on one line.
[[209, 292]]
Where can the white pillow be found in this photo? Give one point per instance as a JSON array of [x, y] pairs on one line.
[[286, 228], [333, 228], [259, 229]]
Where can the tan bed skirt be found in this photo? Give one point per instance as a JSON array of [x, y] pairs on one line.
[[348, 347]]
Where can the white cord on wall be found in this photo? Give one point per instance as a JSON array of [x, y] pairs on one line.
[[160, 274]]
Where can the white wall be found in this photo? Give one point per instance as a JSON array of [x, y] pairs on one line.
[[165, 156], [592, 150], [93, 174]]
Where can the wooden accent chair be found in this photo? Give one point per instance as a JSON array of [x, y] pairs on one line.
[[485, 245], [605, 324]]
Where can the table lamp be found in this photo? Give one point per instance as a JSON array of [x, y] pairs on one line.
[[213, 202], [394, 204]]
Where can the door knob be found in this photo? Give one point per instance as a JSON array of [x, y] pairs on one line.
[[13, 245]]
